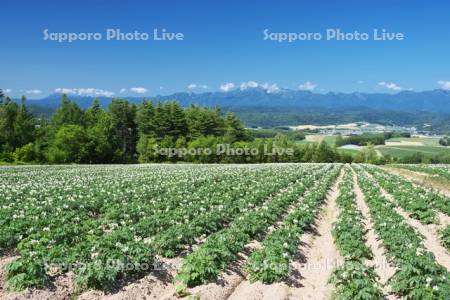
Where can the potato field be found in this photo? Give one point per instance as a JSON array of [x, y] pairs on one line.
[[263, 231]]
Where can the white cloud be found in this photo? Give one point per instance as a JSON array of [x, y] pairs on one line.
[[226, 87], [270, 88], [139, 90], [193, 86], [307, 86], [34, 92], [65, 91], [445, 85], [390, 86], [95, 92], [360, 82], [85, 92], [7, 91], [249, 84]]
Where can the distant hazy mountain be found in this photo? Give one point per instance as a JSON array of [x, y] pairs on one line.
[[407, 101]]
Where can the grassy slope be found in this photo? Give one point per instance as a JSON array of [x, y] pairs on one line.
[[424, 140], [430, 146], [402, 151]]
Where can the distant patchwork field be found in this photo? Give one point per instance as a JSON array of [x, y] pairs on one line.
[[395, 147]]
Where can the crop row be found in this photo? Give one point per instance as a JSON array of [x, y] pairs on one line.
[[445, 237], [418, 201], [168, 242], [36, 199], [121, 230], [68, 235], [415, 199], [173, 239], [271, 262], [221, 248], [353, 279], [418, 275]]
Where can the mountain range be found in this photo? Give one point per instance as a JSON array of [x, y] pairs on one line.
[[406, 101], [428, 111]]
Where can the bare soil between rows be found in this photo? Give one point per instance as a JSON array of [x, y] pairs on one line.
[[429, 232], [382, 267]]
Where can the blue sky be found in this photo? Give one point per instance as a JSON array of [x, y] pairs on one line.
[[223, 43]]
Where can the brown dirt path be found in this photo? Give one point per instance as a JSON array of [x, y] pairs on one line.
[[320, 257], [429, 232], [382, 267]]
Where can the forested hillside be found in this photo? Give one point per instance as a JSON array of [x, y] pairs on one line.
[[150, 131], [128, 133]]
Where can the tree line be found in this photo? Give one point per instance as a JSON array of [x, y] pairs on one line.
[[445, 141], [370, 138], [129, 133]]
